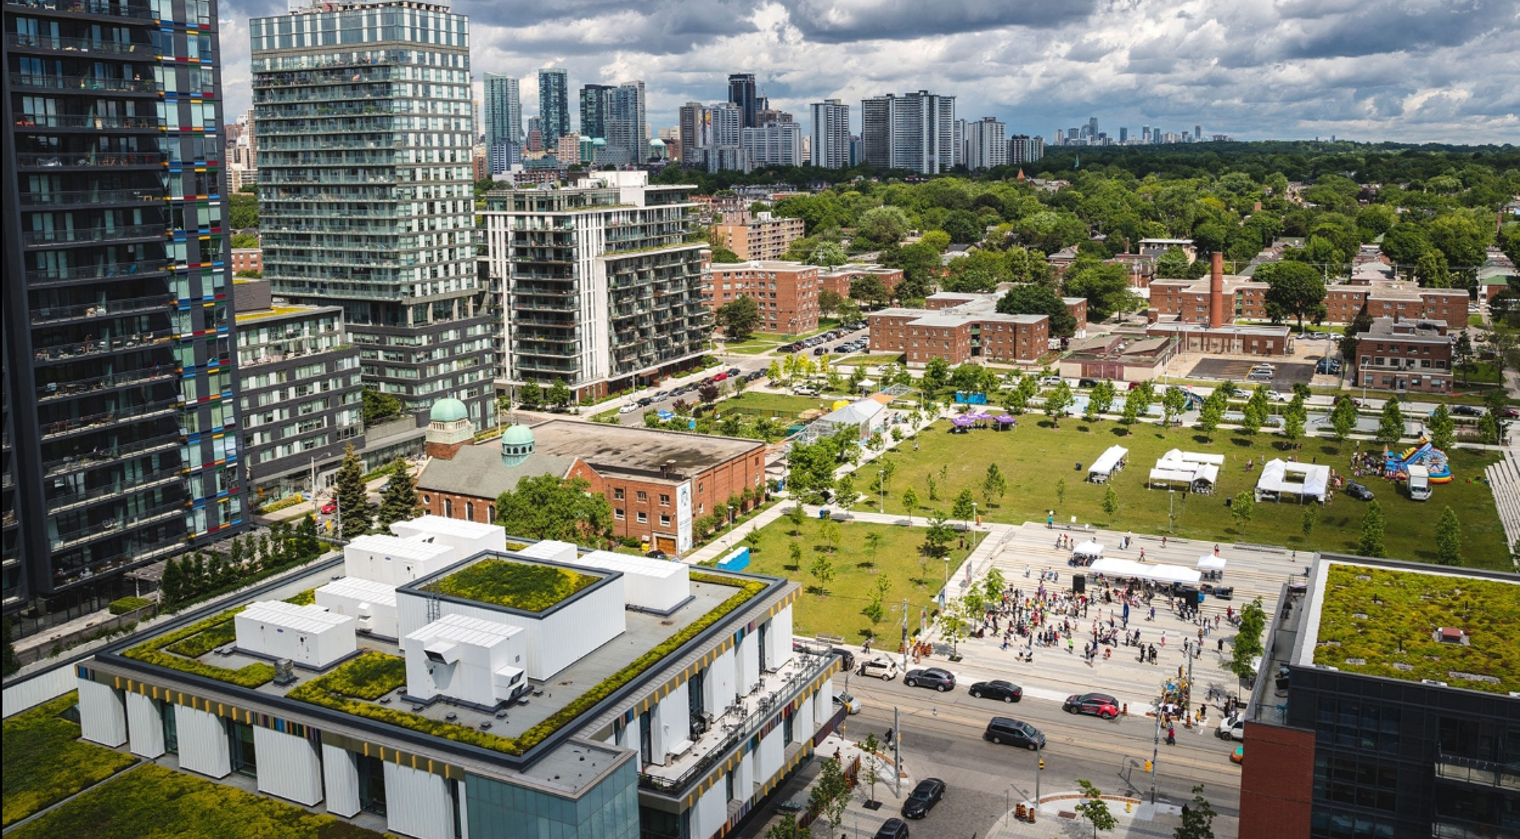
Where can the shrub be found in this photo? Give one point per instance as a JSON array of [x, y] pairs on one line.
[[46, 762], [128, 604], [152, 652], [370, 676], [515, 585]]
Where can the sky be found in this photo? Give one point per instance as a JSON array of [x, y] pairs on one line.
[[1370, 70]]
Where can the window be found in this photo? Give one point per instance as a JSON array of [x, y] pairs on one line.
[[643, 496], [664, 499], [469, 510], [664, 520], [643, 517], [617, 513], [617, 494]]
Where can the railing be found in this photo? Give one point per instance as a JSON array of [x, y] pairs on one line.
[[47, 80], [92, 7], [1471, 770], [64, 352], [747, 724], [48, 276], [93, 196], [65, 501], [73, 538], [79, 387], [68, 426], [86, 460], [80, 45], [111, 308], [86, 121], [92, 159], [91, 234]]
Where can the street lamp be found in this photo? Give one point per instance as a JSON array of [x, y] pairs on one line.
[[974, 519], [1171, 521], [881, 488]]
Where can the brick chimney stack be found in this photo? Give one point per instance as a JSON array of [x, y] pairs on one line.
[[1216, 291]]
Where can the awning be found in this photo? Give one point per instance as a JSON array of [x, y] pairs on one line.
[[1145, 571], [1209, 562], [1088, 549]]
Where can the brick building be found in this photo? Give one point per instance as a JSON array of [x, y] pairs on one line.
[[1395, 298], [1187, 301], [761, 235], [247, 259], [972, 302], [959, 333], [839, 279], [657, 481], [1404, 355], [786, 292]]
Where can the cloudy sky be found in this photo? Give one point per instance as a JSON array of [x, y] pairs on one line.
[[1403, 70]]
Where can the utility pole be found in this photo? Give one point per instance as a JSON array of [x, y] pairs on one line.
[[905, 635], [1156, 744], [896, 752]]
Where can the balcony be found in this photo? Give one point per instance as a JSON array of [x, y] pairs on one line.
[[92, 196], [739, 722], [86, 47], [81, 7], [105, 455], [67, 501], [1471, 770], [66, 352], [94, 123], [81, 387], [111, 308], [88, 84], [58, 276], [90, 160], [90, 235], [54, 430]]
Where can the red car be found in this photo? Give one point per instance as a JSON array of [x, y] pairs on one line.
[[329, 508], [720, 377], [1096, 704], [1509, 413]]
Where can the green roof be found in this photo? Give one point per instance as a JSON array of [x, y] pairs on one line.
[[517, 435], [448, 410], [515, 585], [1387, 622]]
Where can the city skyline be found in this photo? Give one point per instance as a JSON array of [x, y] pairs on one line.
[[1369, 72]]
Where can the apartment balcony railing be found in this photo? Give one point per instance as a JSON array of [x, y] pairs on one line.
[[83, 7], [90, 159], [54, 276], [112, 308], [92, 196], [107, 454], [91, 234], [81, 387], [135, 551], [67, 501], [89, 83], [1471, 770], [74, 538], [66, 352], [84, 46], [738, 722], [97, 123], [138, 413]]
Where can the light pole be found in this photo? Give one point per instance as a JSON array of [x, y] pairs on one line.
[[944, 592], [974, 519], [881, 489], [1171, 521]]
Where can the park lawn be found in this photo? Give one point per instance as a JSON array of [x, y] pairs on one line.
[[869, 360], [839, 610], [1035, 457], [751, 347], [46, 762], [1475, 319], [158, 803], [780, 403]]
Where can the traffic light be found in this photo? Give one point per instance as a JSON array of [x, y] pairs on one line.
[[1042, 764], [1147, 766]]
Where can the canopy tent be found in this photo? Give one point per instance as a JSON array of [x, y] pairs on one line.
[[1305, 480], [1200, 477], [1193, 457], [1146, 571], [1107, 464], [1209, 562], [1092, 549]]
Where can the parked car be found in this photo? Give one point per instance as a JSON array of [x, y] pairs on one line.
[[893, 828], [928, 793], [628, 409], [1344, 397], [329, 508], [660, 395], [1359, 492], [1087, 383], [1014, 732], [1509, 413], [1094, 704], [845, 700], [1231, 728], [1466, 411], [719, 377], [1050, 381], [734, 371], [753, 375], [880, 667], [787, 348], [930, 677], [997, 689], [657, 554], [645, 402]]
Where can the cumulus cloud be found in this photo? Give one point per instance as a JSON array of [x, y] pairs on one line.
[[1411, 70]]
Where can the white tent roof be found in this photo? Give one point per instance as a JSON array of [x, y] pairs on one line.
[[1313, 478], [1088, 549], [1108, 460], [1207, 472], [1194, 457], [1181, 476], [1160, 573], [1209, 562], [856, 413]]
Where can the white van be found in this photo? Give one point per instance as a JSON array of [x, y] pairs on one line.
[[1419, 483]]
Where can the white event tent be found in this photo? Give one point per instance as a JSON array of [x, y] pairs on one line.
[[1107, 464], [1305, 480], [1146, 571]]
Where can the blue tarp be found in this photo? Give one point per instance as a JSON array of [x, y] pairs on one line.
[[964, 398], [736, 561]]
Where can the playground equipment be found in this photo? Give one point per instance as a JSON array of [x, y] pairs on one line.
[[1423, 454], [1194, 401]]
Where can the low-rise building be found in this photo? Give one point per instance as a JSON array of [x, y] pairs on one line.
[[1404, 355], [299, 388], [1187, 301], [760, 235], [657, 481], [839, 279], [959, 328], [785, 292], [585, 695], [1384, 707], [247, 259]]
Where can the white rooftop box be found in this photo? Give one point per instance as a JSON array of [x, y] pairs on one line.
[[395, 561], [473, 660], [654, 584], [550, 551], [466, 537], [308, 635], [372, 605]]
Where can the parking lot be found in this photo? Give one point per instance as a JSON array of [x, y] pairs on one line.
[[1285, 375]]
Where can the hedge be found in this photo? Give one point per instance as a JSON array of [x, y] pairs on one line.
[[151, 652], [128, 604], [316, 694], [515, 585], [46, 762], [153, 801]]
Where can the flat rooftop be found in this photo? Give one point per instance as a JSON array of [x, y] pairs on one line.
[[1386, 620], [621, 447]]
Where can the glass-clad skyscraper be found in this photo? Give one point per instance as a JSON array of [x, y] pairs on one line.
[[366, 130], [121, 429], [503, 118]]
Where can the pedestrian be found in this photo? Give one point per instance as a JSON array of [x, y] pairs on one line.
[[1071, 646], [1163, 541], [1216, 550], [1171, 736], [1163, 637], [1142, 554], [1220, 644]]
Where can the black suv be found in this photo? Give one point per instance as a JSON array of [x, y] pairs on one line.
[[1359, 492], [927, 794], [998, 689], [1014, 733], [893, 828], [930, 677]]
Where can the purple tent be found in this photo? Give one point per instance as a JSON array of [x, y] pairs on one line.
[[1006, 420], [962, 422], [981, 416]]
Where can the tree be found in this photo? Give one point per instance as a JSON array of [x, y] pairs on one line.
[[829, 301], [1358, 325], [1308, 520], [1101, 398], [172, 586], [1448, 538], [827, 255], [1343, 418], [551, 507], [1110, 500], [964, 507], [1243, 508], [398, 501], [1293, 290], [1247, 643], [559, 393], [1212, 413], [870, 747], [1061, 490], [1135, 404], [1057, 401], [1094, 809], [1294, 418], [869, 288], [994, 485], [1106, 287], [1462, 356], [936, 374], [794, 552], [353, 497], [1490, 429], [1391, 424], [993, 587], [1441, 427], [1371, 543], [938, 536], [873, 542], [1032, 299], [378, 407], [739, 317], [787, 828], [882, 226], [822, 570], [1198, 819], [1173, 402], [910, 502], [1431, 271], [242, 211], [530, 393], [831, 793]]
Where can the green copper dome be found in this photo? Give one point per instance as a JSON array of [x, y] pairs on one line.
[[448, 410], [517, 435]]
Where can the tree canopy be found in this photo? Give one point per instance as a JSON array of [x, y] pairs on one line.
[[551, 507]]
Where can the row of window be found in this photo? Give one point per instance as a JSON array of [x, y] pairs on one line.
[[641, 496], [639, 516]]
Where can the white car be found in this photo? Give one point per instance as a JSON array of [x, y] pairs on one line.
[[847, 701], [628, 409], [1231, 728], [1050, 381], [881, 667]]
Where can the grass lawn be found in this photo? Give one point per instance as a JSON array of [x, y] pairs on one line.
[[780, 403], [870, 360], [157, 803], [1034, 458], [1475, 319], [46, 762], [839, 611], [751, 346]]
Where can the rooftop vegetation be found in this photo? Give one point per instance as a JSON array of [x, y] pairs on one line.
[[167, 651], [46, 762], [515, 585], [1385, 623]]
